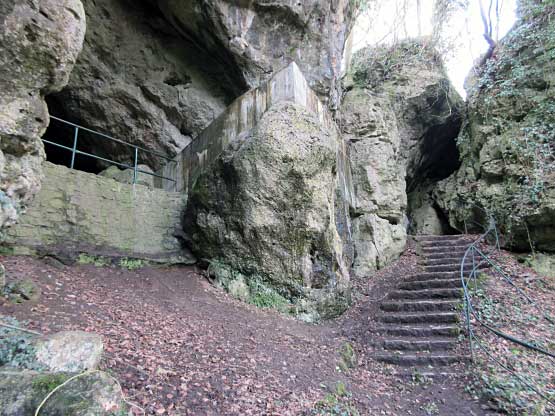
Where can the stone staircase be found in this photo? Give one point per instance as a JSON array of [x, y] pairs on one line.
[[419, 325]]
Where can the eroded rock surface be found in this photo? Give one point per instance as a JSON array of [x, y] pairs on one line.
[[257, 38], [138, 80], [507, 144], [264, 216], [401, 119], [39, 42]]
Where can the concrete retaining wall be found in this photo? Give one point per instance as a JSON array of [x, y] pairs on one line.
[[80, 212], [240, 117]]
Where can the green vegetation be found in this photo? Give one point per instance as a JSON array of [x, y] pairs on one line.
[[97, 261], [250, 289], [132, 264], [336, 403], [16, 347]]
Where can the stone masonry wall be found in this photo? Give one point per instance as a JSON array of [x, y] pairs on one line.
[[79, 212]]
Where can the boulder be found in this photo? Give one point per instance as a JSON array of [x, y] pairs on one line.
[[69, 351], [265, 213], [506, 144], [39, 42], [94, 394]]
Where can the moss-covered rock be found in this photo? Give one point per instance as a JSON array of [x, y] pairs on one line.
[[264, 216], [93, 394], [507, 144]]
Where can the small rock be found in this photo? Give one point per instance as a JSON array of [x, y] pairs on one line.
[[23, 290], [69, 351], [2, 277]]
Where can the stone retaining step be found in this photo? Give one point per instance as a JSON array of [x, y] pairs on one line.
[[445, 255], [419, 330], [431, 284], [442, 249], [446, 243], [415, 344], [445, 260], [423, 238], [426, 294], [454, 267], [433, 275], [420, 306], [434, 360], [420, 318]]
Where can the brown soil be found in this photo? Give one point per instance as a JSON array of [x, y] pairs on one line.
[[182, 347]]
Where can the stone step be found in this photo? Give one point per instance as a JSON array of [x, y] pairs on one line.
[[420, 306], [445, 255], [454, 267], [431, 284], [424, 331], [434, 360], [415, 344], [433, 275], [443, 249], [420, 318], [426, 294], [444, 243], [445, 260], [423, 238]]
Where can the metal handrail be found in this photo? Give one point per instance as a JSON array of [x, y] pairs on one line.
[[74, 151], [472, 252]]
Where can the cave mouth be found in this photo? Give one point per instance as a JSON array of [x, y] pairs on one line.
[[63, 134]]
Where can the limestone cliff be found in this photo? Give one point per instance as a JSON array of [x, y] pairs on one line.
[[400, 114], [39, 42], [157, 72], [507, 144]]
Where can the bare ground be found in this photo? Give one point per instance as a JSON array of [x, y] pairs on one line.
[[182, 347]]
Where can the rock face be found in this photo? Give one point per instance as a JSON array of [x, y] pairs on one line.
[[39, 42], [95, 394], [264, 216], [256, 38], [507, 144], [141, 83], [401, 119]]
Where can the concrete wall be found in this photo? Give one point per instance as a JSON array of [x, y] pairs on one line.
[[240, 117], [78, 212]]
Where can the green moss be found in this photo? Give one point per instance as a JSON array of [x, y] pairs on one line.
[[97, 261], [132, 264], [44, 384]]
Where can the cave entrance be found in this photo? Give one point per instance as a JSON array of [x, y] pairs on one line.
[[63, 134]]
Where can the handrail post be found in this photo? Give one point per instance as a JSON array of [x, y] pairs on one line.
[[135, 165], [74, 147]]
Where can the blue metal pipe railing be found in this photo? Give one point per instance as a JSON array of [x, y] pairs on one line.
[[74, 151], [472, 252]]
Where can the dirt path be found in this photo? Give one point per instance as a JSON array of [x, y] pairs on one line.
[[182, 347]]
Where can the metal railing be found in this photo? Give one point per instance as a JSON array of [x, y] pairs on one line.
[[136, 149], [478, 258]]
